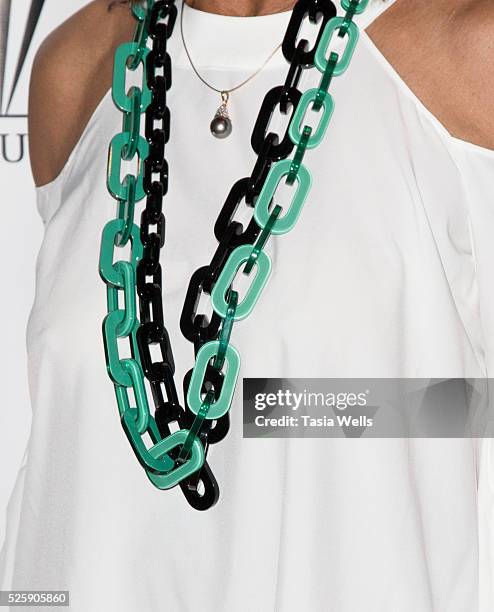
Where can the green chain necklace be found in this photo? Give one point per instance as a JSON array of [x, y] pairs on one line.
[[180, 457]]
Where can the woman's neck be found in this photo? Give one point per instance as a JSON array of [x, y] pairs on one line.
[[242, 8]]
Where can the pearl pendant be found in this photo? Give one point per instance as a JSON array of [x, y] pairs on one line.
[[221, 125]]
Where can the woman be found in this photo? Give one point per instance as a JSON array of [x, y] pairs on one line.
[[386, 275]]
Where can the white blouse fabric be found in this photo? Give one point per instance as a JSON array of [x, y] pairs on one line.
[[387, 274]]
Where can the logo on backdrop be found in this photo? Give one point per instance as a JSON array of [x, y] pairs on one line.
[[12, 140]]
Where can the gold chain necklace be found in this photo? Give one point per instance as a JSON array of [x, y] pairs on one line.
[[221, 126]]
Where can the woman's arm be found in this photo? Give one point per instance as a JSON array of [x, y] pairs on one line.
[[71, 73]]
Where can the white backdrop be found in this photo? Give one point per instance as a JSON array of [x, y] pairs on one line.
[[22, 229]]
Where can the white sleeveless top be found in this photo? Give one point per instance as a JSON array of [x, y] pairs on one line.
[[387, 274]]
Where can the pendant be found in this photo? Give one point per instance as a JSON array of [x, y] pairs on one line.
[[221, 125]]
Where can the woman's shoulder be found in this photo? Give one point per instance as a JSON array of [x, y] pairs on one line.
[[469, 69], [443, 52], [71, 72], [471, 32]]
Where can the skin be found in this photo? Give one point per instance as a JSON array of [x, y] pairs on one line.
[[443, 50], [242, 8]]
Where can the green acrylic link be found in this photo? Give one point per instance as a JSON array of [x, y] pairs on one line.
[[140, 11], [222, 404], [224, 339], [226, 330], [322, 92], [108, 272], [119, 189], [347, 21], [148, 461], [289, 219], [134, 370], [123, 54], [141, 37], [358, 5], [159, 467], [299, 155], [116, 370], [192, 464], [132, 124], [126, 211], [296, 125], [196, 426], [129, 289], [262, 239], [331, 27], [237, 257]]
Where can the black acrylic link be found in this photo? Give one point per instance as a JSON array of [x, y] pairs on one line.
[[151, 255], [260, 132], [159, 49], [166, 10], [148, 219], [156, 151], [261, 169], [158, 83], [151, 302], [159, 36], [293, 76], [167, 413], [198, 328], [217, 264], [210, 494], [154, 203], [141, 281], [157, 119], [158, 108], [313, 10], [150, 176], [154, 333], [166, 384], [226, 229]]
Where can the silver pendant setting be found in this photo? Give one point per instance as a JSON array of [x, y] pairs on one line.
[[221, 125]]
